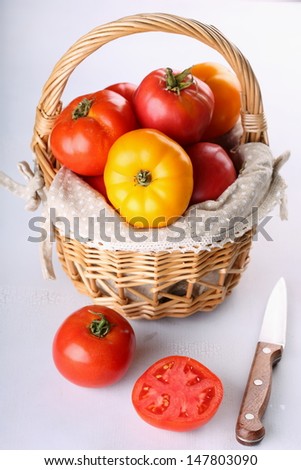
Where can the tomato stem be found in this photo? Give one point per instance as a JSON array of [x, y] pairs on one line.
[[101, 326], [143, 177], [82, 109], [177, 82]]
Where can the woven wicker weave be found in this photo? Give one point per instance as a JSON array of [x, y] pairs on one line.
[[150, 285]]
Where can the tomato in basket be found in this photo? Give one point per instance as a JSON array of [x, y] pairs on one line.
[[226, 90], [213, 171], [177, 393], [177, 104], [85, 130], [97, 182], [125, 89], [148, 178], [94, 346]]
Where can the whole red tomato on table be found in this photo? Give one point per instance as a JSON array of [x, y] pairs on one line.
[[213, 171], [226, 90], [94, 346], [177, 104], [177, 393], [85, 130]]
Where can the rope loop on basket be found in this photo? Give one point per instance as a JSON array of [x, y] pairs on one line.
[[33, 192]]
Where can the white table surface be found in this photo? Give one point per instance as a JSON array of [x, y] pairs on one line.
[[38, 408]]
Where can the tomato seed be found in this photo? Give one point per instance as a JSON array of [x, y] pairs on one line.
[[183, 414], [144, 391]]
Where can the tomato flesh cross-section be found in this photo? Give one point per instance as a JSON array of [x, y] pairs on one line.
[[177, 393]]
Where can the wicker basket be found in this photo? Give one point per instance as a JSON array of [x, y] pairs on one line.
[[150, 285]]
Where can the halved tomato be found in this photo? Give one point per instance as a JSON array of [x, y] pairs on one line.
[[177, 393]]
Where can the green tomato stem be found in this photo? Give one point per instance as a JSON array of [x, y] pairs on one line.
[[82, 109], [100, 327], [143, 177], [177, 82]]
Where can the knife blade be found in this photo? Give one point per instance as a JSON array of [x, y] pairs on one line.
[[271, 342]]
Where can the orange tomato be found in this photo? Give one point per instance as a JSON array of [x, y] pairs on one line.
[[226, 90]]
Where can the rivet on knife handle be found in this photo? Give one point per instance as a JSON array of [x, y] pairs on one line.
[[249, 428]]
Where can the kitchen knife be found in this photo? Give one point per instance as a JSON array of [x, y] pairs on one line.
[[249, 428]]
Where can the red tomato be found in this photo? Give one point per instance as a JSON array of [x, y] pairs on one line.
[[213, 171], [177, 104], [94, 347], [231, 143], [125, 89], [96, 182], [177, 393], [85, 130]]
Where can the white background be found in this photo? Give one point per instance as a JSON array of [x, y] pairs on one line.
[[38, 408]]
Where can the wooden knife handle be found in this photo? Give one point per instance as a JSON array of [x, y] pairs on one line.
[[249, 428]]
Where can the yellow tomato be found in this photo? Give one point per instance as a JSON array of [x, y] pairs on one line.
[[226, 89], [148, 178]]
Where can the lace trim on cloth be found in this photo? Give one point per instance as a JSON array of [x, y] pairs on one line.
[[79, 212]]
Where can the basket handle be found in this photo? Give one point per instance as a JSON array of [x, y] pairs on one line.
[[252, 115]]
